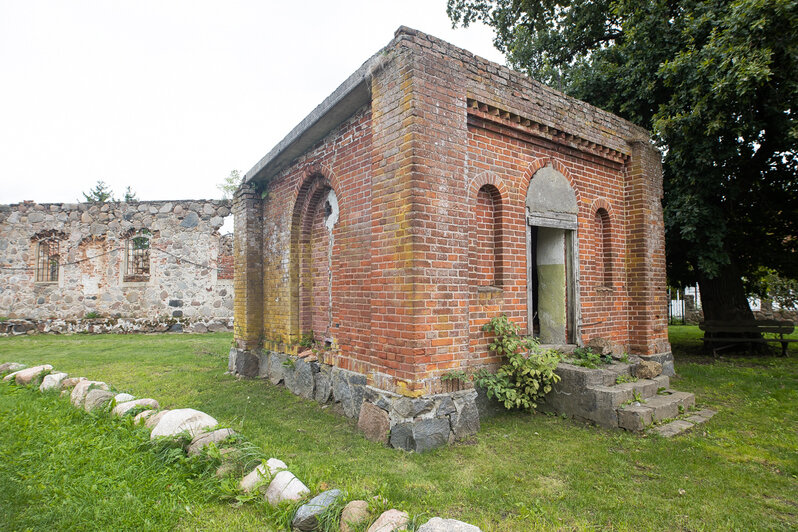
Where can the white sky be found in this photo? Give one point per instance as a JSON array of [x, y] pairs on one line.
[[170, 96]]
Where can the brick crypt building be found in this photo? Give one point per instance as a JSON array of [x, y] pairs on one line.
[[432, 191]]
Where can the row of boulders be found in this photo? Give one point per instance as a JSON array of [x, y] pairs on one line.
[[272, 479]]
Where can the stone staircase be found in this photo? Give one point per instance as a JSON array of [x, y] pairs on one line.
[[601, 396]]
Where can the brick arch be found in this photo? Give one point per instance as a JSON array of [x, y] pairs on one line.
[[486, 178], [316, 181], [542, 162]]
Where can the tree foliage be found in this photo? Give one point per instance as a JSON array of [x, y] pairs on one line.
[[714, 80], [99, 194], [102, 193], [230, 184]]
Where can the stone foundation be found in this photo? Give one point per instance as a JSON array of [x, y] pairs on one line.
[[410, 423], [16, 327]]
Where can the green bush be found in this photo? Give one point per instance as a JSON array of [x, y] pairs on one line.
[[529, 373]]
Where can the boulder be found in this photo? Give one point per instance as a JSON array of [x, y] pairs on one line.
[[374, 423], [97, 398], [436, 524], [123, 398], [285, 487], [153, 420], [123, 408], [141, 417], [306, 518], [262, 474], [82, 388], [203, 440], [354, 514], [11, 367], [183, 420], [389, 521], [24, 377], [71, 382], [647, 369], [52, 381]]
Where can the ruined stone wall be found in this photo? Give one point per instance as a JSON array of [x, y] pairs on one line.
[[94, 276]]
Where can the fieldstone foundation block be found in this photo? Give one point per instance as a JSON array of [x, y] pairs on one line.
[[374, 423]]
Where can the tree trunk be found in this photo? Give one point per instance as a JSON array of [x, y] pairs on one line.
[[723, 299]]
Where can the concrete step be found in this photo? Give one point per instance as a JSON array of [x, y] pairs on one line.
[[669, 404], [688, 423]]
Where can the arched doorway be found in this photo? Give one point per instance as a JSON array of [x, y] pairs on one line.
[[552, 294]]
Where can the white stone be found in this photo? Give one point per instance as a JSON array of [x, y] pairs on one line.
[[205, 439], [436, 524], [82, 388], [285, 487], [26, 376], [181, 420], [123, 398], [122, 408], [389, 521], [142, 416], [52, 381], [262, 473]]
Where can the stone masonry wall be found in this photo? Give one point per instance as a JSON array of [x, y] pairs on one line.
[[92, 244]]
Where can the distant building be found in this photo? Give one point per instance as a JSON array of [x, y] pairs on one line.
[[151, 263]]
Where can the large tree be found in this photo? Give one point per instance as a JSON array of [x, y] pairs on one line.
[[717, 84]]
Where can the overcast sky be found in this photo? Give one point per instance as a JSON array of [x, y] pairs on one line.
[[170, 96]]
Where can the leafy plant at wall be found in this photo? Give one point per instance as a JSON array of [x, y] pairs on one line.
[[585, 357], [529, 373]]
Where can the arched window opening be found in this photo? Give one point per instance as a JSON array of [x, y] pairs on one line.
[[486, 246], [603, 245]]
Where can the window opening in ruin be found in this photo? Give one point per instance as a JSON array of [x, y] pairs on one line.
[[47, 261], [137, 257]]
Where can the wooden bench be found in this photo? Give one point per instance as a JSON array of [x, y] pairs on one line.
[[747, 331]]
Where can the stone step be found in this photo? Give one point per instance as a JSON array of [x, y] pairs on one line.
[[680, 426], [668, 405]]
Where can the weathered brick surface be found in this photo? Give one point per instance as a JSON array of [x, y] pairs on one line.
[[184, 247], [431, 178]]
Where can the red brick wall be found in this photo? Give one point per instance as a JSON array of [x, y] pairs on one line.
[[431, 180]]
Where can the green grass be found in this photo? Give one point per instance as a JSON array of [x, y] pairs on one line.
[[520, 472]]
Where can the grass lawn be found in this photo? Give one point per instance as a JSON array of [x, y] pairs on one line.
[[521, 472]]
